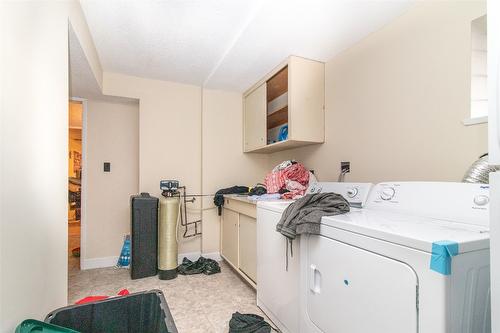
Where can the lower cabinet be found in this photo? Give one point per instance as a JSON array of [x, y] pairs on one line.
[[248, 246], [239, 238], [229, 246]]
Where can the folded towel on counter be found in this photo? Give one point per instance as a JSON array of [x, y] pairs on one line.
[[268, 196]]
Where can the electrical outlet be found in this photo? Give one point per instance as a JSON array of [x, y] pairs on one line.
[[345, 167]]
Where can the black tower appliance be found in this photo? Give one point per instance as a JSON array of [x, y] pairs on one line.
[[144, 231]]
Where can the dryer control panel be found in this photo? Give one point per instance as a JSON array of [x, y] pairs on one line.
[[460, 202]]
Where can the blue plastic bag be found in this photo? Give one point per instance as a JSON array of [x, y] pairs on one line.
[[283, 134]]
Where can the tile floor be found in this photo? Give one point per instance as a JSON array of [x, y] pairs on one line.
[[199, 303]]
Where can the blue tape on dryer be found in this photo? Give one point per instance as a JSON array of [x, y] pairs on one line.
[[442, 252]]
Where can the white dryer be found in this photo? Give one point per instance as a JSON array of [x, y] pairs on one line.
[[416, 259], [277, 286]]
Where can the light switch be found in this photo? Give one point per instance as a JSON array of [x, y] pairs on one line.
[[107, 167]]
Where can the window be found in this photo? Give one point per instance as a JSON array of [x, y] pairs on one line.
[[479, 71]]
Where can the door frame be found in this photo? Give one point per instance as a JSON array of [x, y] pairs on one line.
[[83, 197]]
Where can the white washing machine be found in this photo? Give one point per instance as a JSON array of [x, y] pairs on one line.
[[277, 287], [416, 259]]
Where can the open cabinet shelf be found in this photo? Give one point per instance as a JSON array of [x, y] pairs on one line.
[[285, 109], [277, 85], [278, 118], [282, 145], [277, 107]]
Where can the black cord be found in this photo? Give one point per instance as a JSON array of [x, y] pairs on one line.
[[200, 195]]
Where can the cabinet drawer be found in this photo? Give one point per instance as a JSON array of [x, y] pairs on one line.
[[241, 207]]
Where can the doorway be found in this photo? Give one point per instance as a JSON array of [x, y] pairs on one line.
[[75, 164]]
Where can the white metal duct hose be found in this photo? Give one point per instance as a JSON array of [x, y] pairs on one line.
[[479, 171], [167, 237]]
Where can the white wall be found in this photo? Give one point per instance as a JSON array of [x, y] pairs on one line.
[[479, 68], [3, 29], [396, 100], [169, 137], [34, 137], [112, 136], [224, 164], [198, 143]]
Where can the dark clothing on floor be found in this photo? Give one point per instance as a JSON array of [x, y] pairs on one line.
[[248, 323], [202, 265]]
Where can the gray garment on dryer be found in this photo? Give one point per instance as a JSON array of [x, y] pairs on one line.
[[304, 215]]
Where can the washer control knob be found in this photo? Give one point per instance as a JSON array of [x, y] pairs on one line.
[[387, 193], [481, 200], [352, 192]]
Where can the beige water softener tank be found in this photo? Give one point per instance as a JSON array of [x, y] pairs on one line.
[[167, 230]]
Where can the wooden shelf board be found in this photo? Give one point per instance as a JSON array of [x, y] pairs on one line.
[[282, 145], [277, 118], [278, 84]]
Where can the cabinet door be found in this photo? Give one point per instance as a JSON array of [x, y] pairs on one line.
[[306, 92], [255, 119], [248, 246], [277, 287], [229, 244]]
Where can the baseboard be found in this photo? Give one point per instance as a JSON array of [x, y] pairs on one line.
[[193, 256], [99, 262], [111, 261], [213, 255]]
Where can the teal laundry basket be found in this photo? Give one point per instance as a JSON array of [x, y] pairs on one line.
[[35, 326], [145, 311]]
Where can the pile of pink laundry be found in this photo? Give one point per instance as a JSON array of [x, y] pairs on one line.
[[289, 178]]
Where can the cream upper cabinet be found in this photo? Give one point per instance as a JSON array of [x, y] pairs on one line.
[[255, 119], [286, 109]]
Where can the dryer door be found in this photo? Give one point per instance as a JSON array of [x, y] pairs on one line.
[[352, 290]]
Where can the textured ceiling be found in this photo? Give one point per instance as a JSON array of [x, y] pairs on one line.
[[226, 44]]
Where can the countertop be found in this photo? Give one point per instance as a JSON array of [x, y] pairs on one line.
[[240, 197], [244, 198]]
